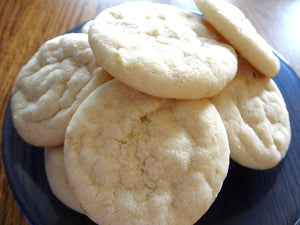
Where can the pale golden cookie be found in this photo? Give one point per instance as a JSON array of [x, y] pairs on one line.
[[86, 27], [57, 178], [238, 30], [162, 50], [50, 87], [136, 159], [255, 117]]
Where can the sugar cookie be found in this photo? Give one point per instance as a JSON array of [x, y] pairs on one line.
[[255, 117], [49, 88], [138, 159], [57, 178], [86, 26], [238, 30], [162, 50]]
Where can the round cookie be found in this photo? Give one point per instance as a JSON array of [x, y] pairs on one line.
[[86, 27], [162, 50], [238, 30], [255, 117], [57, 178], [138, 159], [50, 87]]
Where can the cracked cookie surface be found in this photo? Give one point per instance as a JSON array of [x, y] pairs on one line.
[[255, 117], [138, 159], [50, 87], [162, 50]]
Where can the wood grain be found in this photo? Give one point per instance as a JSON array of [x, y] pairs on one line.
[[25, 25]]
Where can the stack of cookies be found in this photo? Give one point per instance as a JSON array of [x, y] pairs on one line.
[[140, 113]]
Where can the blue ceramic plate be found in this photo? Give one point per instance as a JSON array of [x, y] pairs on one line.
[[248, 197]]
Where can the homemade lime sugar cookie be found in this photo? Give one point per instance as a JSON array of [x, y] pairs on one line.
[[138, 159], [86, 27], [255, 117], [238, 30], [50, 87], [162, 50], [57, 178]]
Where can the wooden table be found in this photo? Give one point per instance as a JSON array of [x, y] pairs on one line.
[[26, 25]]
